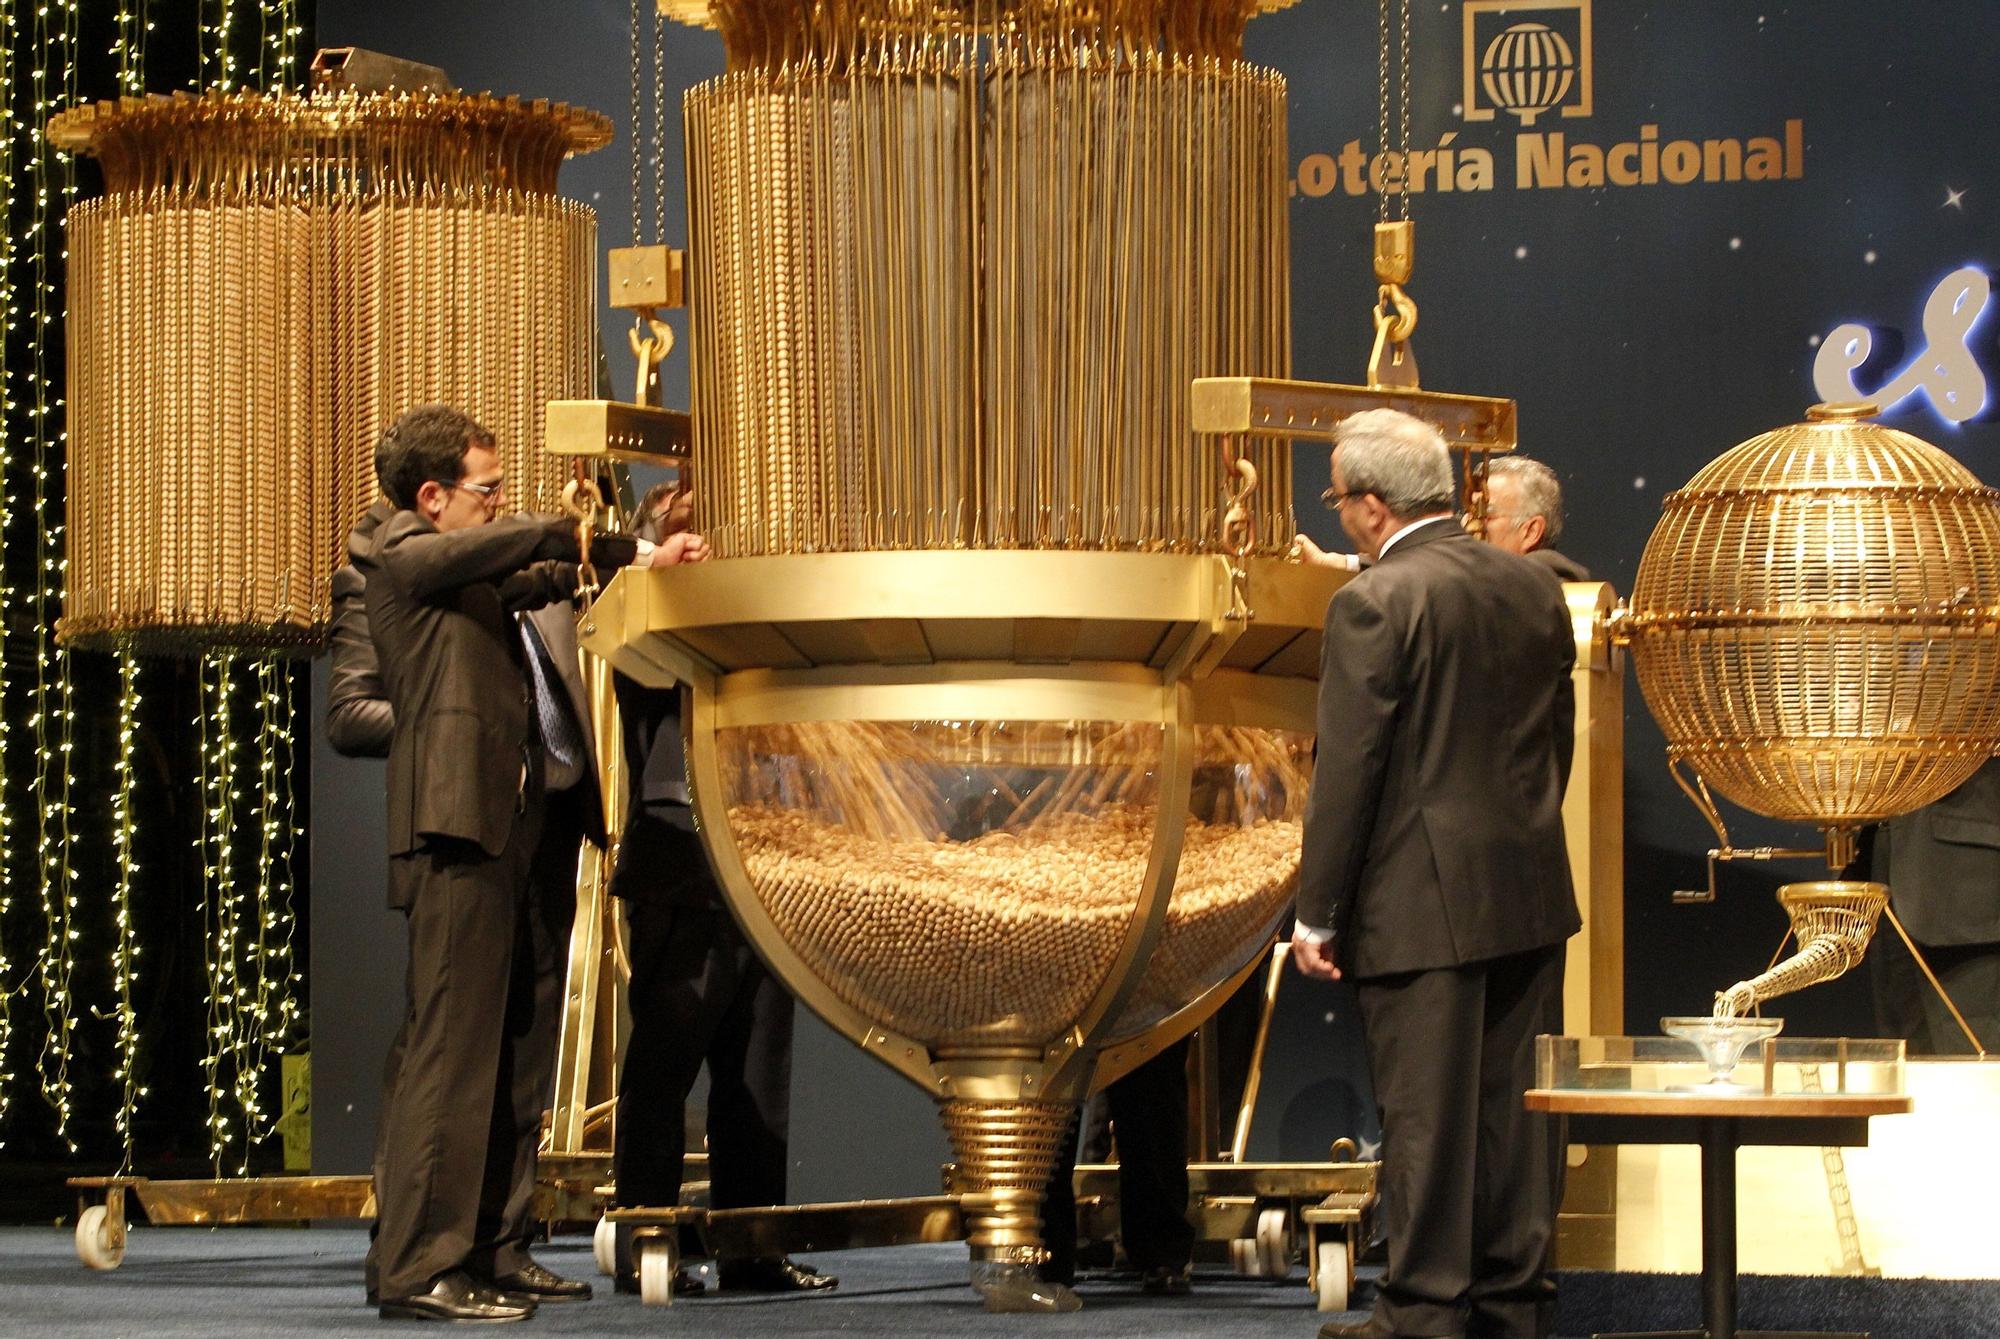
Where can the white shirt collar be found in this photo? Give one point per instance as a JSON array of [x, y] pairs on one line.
[[1411, 528]]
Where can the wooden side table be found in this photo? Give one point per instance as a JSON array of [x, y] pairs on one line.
[[1720, 1125]]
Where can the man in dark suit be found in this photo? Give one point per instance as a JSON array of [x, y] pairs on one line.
[[360, 723], [1524, 514], [698, 993], [1942, 865], [470, 760], [1434, 874]]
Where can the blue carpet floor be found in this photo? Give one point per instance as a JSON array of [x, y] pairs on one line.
[[231, 1282]]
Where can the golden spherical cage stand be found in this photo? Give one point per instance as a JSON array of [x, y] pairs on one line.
[[998, 709], [1816, 627], [266, 282]]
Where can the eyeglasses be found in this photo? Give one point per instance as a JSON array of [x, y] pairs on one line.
[[1332, 500], [488, 493]]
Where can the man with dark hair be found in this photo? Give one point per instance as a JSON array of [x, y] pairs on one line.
[[1434, 872], [360, 723], [470, 760], [699, 993]]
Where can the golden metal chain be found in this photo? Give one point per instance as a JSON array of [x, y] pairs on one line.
[[1402, 58], [1403, 92], [1382, 96], [634, 44], [659, 128]]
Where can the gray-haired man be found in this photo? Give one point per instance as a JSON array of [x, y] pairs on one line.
[[1524, 513], [1434, 874]]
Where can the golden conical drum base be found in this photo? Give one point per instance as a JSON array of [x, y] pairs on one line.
[[1006, 1152]]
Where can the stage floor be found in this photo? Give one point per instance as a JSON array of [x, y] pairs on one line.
[[229, 1282]]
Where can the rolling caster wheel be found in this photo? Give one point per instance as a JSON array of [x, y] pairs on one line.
[[656, 1271], [1245, 1259], [1274, 1243], [1332, 1275], [604, 1246], [95, 1244]]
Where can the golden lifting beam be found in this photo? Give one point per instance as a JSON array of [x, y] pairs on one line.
[[1270, 407]]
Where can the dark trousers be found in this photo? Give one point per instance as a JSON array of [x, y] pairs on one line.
[[1470, 1180], [1149, 1119], [699, 994], [459, 984], [448, 1144]]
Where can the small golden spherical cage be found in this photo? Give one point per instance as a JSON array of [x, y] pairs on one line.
[[1816, 622]]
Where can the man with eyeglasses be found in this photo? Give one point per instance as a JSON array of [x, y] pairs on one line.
[[473, 752], [1435, 875], [1309, 552]]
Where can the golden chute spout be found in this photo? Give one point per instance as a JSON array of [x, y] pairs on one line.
[[1832, 922]]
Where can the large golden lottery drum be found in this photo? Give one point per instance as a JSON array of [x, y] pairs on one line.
[[999, 748]]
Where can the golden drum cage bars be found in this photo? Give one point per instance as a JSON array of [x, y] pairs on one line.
[[266, 282], [954, 268]]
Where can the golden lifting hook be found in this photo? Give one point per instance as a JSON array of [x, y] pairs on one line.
[[581, 499], [1239, 530], [651, 350], [1239, 525], [1393, 362]]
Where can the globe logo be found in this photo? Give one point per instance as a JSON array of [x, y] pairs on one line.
[[1527, 70]]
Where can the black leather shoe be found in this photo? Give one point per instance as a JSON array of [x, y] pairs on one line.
[[773, 1276], [457, 1296], [542, 1284], [1365, 1328], [685, 1284], [1167, 1281]]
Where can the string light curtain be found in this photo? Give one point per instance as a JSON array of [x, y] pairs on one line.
[[74, 894], [50, 177], [9, 986], [130, 50], [248, 921]]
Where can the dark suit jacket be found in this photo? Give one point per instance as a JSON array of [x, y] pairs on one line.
[[652, 853], [1565, 567], [359, 723], [1433, 834], [1942, 864], [656, 758], [440, 612], [359, 720]]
